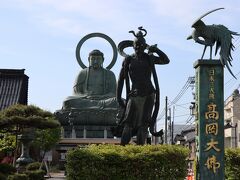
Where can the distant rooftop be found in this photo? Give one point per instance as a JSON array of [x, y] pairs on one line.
[[184, 132], [13, 87]]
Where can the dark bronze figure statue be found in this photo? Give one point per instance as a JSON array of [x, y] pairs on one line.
[[212, 34], [91, 110], [95, 86], [137, 70]]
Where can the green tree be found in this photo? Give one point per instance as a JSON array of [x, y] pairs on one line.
[[17, 118], [46, 139]]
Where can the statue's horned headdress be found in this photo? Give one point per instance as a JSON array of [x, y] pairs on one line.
[[139, 37], [139, 33], [129, 43]]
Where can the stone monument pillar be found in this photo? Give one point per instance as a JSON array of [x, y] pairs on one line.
[[209, 119]]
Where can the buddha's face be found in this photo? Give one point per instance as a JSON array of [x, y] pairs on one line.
[[95, 61]]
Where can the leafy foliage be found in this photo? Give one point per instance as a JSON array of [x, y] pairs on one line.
[[2, 176], [23, 116], [45, 139], [35, 175], [32, 172], [127, 162], [18, 177], [20, 119], [232, 163], [7, 142], [35, 166], [7, 169]]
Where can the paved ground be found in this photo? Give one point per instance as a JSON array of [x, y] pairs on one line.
[[57, 176]]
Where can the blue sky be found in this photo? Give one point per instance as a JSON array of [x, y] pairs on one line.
[[41, 36]]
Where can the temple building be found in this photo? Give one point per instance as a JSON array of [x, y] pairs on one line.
[[13, 87]]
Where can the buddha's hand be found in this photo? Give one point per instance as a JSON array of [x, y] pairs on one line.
[[108, 95], [93, 97]]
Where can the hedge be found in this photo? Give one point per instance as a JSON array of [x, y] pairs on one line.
[[127, 162], [2, 176], [232, 164], [36, 175], [28, 175], [35, 166], [7, 169], [18, 177]]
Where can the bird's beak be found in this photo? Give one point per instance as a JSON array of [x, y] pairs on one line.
[[189, 37]]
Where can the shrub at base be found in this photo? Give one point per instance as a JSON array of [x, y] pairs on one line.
[[18, 177], [28, 175], [2, 176], [127, 162], [36, 175], [7, 169], [35, 166], [232, 163]]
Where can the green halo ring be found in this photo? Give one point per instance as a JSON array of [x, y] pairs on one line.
[[101, 35]]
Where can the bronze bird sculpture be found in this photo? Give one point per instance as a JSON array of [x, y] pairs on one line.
[[208, 35]]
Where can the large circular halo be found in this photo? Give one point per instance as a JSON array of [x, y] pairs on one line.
[[101, 35]]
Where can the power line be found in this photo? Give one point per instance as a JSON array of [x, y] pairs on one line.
[[182, 115], [188, 121], [235, 40], [232, 78], [228, 86], [237, 46], [188, 126], [190, 81], [181, 105]]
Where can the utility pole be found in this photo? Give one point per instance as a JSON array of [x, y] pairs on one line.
[[236, 143], [173, 124], [166, 117], [170, 126]]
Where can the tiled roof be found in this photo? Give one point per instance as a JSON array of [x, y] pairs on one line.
[[13, 87]]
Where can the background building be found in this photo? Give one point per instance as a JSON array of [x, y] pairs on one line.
[[232, 117], [13, 87]]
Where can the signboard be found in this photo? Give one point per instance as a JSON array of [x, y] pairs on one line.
[[209, 120]]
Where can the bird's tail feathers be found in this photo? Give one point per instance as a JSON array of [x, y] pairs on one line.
[[225, 60], [218, 45]]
